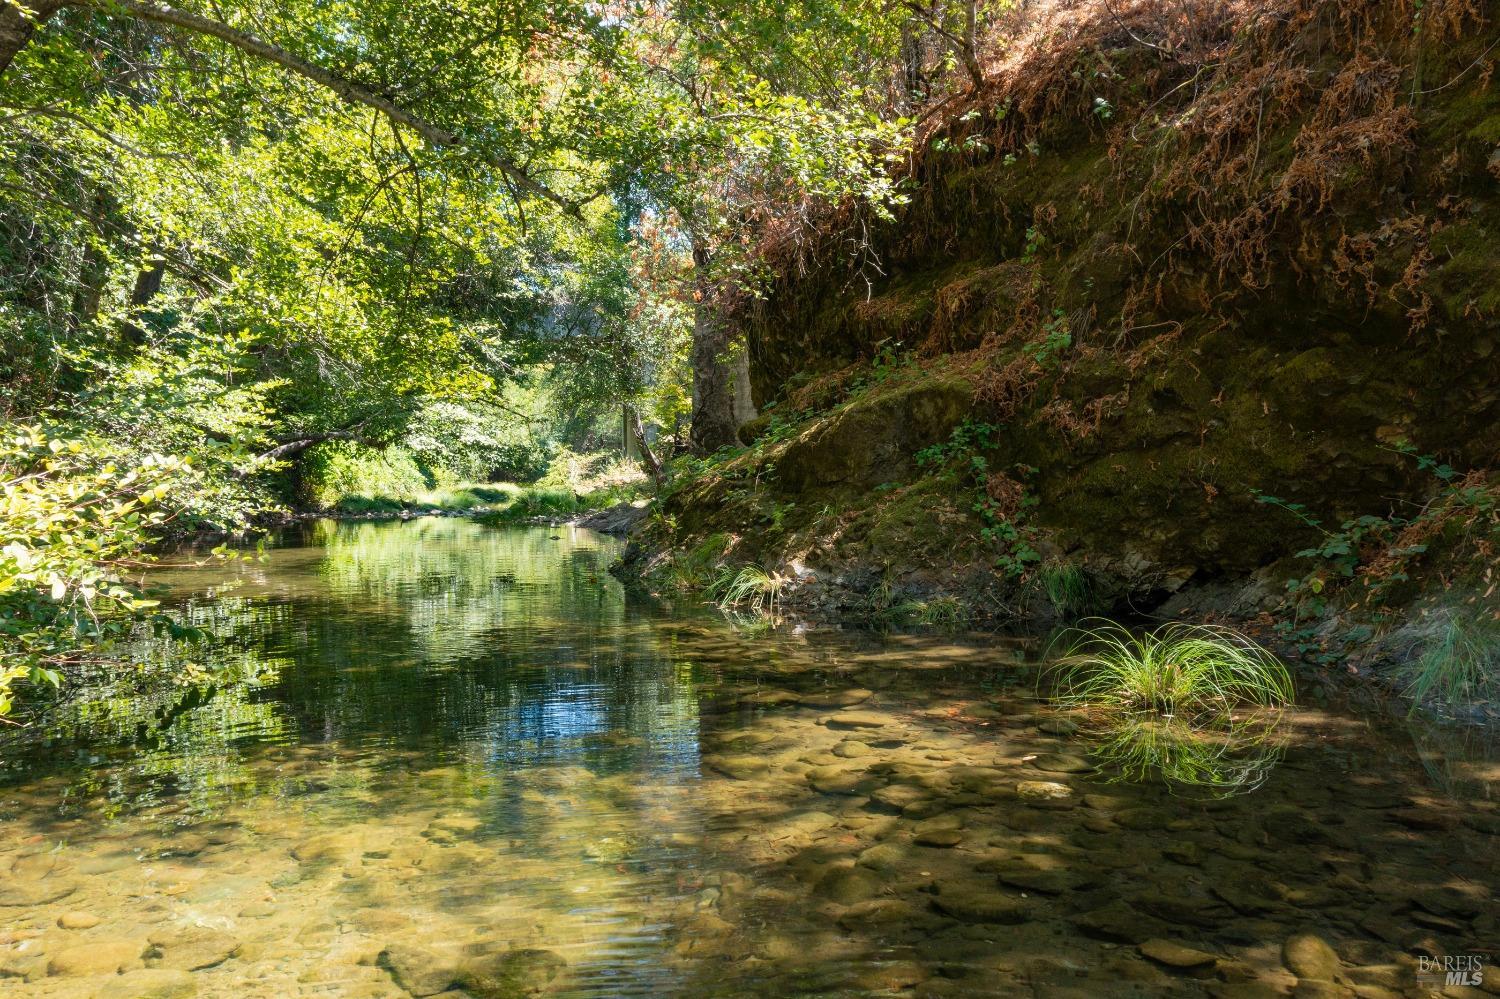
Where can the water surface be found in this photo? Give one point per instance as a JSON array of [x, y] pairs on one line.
[[436, 757]]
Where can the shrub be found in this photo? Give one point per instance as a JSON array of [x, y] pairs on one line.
[[354, 478], [74, 523], [946, 613]]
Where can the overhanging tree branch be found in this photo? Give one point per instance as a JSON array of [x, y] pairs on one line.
[[347, 90], [18, 21], [287, 449]]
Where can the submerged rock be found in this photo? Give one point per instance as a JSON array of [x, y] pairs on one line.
[[100, 957], [1042, 790], [1062, 763], [150, 983], [883, 857], [900, 796], [940, 838], [1177, 907], [191, 950], [1118, 921], [338, 847], [1175, 955], [848, 885], [878, 912], [418, 970], [35, 893], [980, 905], [770, 698], [859, 719], [1307, 955], [852, 749], [837, 698], [512, 974], [1044, 873], [739, 767], [803, 825]]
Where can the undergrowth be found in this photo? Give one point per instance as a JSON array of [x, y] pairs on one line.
[[998, 500]]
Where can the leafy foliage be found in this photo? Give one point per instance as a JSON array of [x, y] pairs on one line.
[[998, 501], [74, 521], [401, 245]]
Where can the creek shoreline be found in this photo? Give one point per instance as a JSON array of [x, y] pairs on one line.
[[837, 602]]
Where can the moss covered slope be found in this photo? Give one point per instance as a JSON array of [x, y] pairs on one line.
[[1194, 304]]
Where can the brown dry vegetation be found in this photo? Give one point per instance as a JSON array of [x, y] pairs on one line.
[[1182, 253]]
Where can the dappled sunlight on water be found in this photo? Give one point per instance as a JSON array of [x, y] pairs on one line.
[[442, 756]]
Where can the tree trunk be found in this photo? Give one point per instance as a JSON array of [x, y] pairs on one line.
[[913, 82], [147, 285], [744, 401], [287, 449], [713, 424], [16, 28], [92, 269], [628, 444], [637, 433]]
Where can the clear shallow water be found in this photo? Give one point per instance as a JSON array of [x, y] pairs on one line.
[[443, 756]]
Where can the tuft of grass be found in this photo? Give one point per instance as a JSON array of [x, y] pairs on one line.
[[1193, 671], [947, 613], [1460, 665], [697, 569], [1068, 589], [356, 503], [750, 586]]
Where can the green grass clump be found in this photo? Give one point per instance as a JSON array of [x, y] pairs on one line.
[[357, 504], [1461, 664], [1067, 588], [1191, 671], [947, 613], [697, 569], [535, 502], [750, 586]]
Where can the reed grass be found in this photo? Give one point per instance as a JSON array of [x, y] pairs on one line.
[[1190, 670]]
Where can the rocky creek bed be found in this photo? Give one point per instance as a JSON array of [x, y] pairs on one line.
[[470, 767]]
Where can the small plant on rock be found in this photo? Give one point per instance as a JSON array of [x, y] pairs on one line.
[[1068, 589]]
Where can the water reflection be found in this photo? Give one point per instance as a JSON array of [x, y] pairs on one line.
[[1233, 756], [434, 755]]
